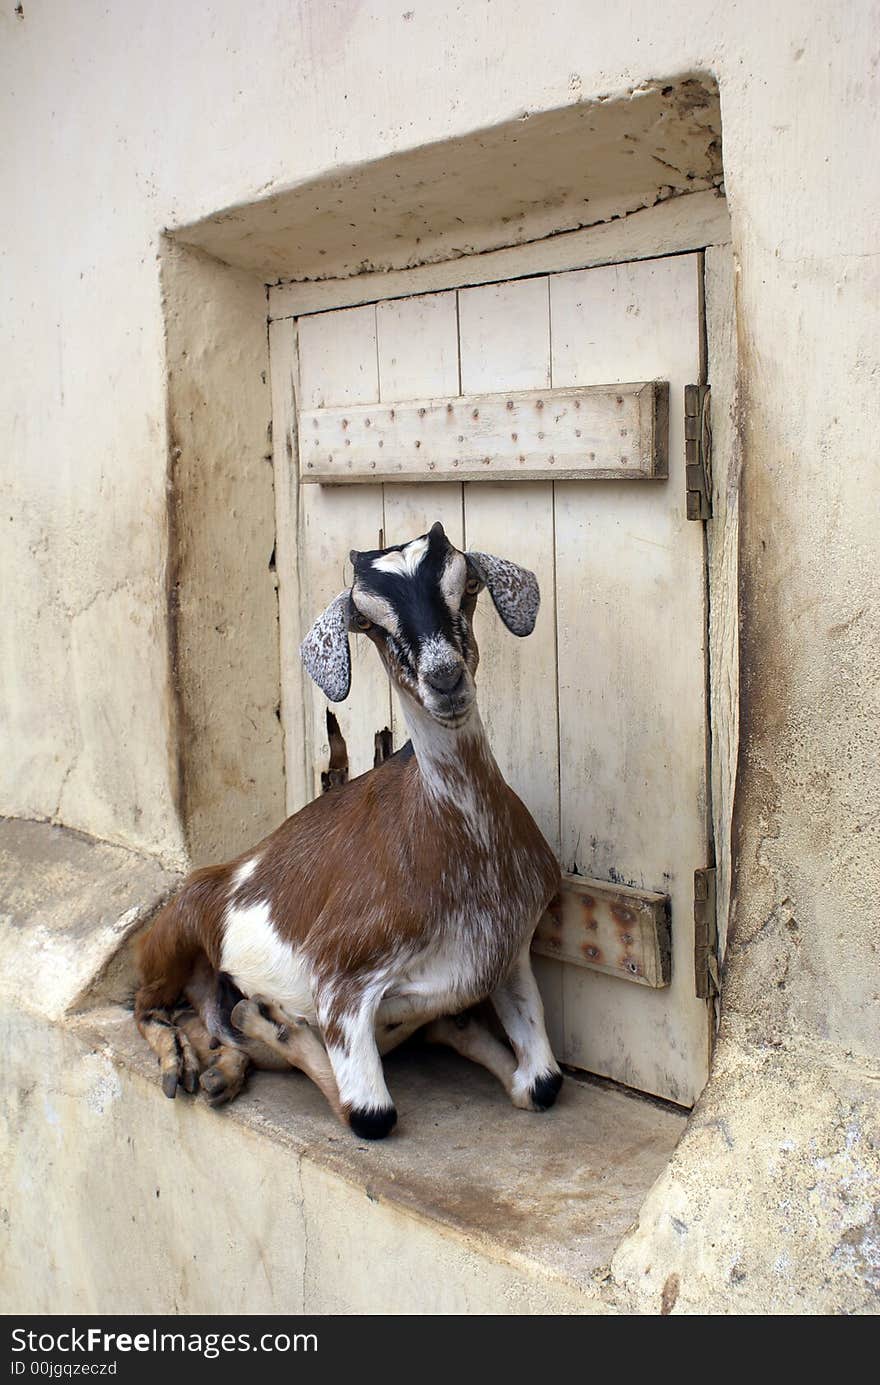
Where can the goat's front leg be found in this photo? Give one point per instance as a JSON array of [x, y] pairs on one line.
[[350, 1038], [517, 1001]]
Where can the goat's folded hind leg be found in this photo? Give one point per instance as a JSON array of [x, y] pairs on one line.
[[223, 1069], [293, 1040], [167, 954], [178, 1062], [471, 1038]]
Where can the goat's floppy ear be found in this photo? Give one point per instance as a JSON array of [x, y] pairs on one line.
[[513, 589], [325, 652]]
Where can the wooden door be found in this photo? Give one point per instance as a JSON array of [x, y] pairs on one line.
[[599, 719]]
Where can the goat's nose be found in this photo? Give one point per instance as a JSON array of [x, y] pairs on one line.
[[444, 678]]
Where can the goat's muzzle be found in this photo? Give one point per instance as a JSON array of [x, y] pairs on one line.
[[447, 680], [451, 705]]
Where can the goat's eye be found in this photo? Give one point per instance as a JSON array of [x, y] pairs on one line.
[[360, 622], [472, 586]]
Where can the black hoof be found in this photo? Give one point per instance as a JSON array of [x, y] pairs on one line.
[[545, 1090], [373, 1125], [169, 1084]]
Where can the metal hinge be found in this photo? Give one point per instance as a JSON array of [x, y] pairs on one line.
[[706, 977], [698, 451]]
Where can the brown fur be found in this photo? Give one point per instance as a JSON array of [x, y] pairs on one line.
[[337, 840]]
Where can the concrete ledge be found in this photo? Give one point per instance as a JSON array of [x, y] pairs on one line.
[[548, 1196], [117, 1200], [69, 904]]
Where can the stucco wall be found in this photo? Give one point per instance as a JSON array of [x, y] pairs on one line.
[[126, 121], [222, 585], [123, 120]]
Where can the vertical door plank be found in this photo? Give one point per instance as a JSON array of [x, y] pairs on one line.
[[504, 332], [723, 539], [631, 637], [418, 359], [516, 677], [338, 365], [504, 341], [411, 510], [417, 342], [289, 568], [337, 358]]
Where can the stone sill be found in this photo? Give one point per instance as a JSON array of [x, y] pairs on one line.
[[553, 1193]]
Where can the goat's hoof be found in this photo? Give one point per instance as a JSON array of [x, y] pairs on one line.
[[243, 1015], [184, 1076], [217, 1087], [180, 1067], [213, 1082], [544, 1090], [372, 1124]]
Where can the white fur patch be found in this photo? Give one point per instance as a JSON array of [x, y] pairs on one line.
[[377, 609], [357, 1067], [432, 983], [405, 561], [262, 963], [244, 872], [452, 582]]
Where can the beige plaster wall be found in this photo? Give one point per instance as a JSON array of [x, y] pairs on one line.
[[222, 577], [126, 121], [268, 1231]]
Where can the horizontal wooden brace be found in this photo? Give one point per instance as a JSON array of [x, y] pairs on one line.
[[609, 928], [597, 432]]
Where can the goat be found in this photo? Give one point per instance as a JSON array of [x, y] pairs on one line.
[[399, 900]]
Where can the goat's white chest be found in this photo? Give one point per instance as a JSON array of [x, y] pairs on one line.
[[436, 981]]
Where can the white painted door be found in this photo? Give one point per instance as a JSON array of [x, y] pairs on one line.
[[599, 719]]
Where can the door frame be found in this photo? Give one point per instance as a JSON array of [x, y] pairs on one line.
[[698, 222]]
